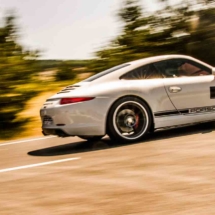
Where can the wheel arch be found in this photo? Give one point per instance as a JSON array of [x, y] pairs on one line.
[[134, 96]]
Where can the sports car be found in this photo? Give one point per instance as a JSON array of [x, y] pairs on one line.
[[130, 100]]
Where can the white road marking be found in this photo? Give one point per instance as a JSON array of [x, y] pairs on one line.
[[24, 141], [38, 164]]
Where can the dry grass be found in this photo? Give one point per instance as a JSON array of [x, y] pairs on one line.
[[33, 127]]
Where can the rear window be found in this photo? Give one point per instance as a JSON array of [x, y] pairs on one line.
[[143, 72], [108, 71]]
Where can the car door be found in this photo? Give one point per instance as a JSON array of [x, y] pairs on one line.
[[189, 85], [147, 82]]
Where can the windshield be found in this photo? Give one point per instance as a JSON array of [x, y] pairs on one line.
[[101, 74]]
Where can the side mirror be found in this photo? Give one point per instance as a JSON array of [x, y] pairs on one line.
[[213, 71]]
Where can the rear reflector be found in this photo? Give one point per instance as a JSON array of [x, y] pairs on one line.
[[74, 100]]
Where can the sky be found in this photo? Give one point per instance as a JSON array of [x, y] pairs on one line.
[[67, 29]]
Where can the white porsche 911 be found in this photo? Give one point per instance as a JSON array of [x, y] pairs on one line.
[[129, 100]]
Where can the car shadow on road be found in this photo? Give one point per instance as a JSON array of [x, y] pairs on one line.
[[106, 143]]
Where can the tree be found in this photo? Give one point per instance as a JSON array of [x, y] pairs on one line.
[[16, 68], [171, 30], [123, 45], [203, 36]]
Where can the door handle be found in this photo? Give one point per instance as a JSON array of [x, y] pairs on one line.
[[174, 89]]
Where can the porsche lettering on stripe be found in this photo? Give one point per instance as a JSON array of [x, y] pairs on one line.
[[202, 109], [186, 111]]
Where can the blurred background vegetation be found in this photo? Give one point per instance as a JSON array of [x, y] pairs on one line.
[[26, 80]]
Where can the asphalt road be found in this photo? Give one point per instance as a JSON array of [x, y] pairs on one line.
[[170, 172]]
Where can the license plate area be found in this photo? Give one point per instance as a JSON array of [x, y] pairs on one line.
[[47, 120], [47, 123]]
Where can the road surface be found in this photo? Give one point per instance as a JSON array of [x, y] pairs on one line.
[[170, 173]]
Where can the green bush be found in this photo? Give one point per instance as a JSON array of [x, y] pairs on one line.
[[65, 73]]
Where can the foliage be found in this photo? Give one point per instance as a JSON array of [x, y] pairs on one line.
[[65, 72], [16, 68], [49, 64], [178, 29]]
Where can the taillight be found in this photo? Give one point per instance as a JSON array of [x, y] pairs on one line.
[[74, 100]]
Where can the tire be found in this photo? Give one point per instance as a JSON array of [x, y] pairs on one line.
[[91, 138], [129, 120]]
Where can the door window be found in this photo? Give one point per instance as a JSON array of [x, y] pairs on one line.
[[181, 68]]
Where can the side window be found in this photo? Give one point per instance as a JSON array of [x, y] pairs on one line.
[[169, 68], [190, 68], [144, 72], [181, 68]]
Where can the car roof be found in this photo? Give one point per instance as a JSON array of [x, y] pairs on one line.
[[159, 58]]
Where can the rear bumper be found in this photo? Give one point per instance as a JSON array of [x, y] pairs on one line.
[[84, 118]]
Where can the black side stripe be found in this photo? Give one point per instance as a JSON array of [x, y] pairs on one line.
[[186, 111], [166, 113]]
